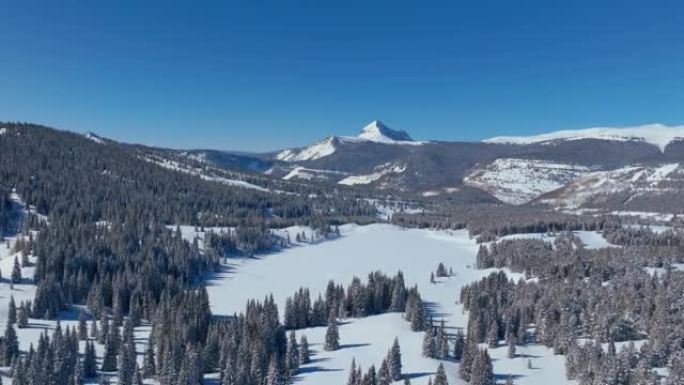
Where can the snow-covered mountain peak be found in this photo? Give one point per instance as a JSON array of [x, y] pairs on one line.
[[376, 131], [657, 134]]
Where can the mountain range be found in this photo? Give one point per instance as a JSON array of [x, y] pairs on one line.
[[631, 169], [625, 171]]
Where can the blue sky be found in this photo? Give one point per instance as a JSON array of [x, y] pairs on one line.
[[257, 75]]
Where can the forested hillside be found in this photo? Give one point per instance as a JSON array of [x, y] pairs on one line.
[[109, 243]]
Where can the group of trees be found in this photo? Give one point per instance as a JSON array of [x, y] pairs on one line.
[[106, 241], [605, 295], [379, 294], [488, 222], [6, 213], [389, 371]]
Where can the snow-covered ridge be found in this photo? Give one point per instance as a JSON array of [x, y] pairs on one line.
[[656, 134], [176, 166], [379, 172], [316, 151], [312, 174], [518, 181], [636, 179]]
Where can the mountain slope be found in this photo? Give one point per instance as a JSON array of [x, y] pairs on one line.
[[656, 134], [641, 188]]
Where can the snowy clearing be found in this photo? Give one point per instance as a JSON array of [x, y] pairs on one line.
[[590, 239], [360, 250]]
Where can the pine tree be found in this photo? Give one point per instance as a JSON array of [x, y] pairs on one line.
[[109, 359], [16, 271], [417, 313], [274, 377], [482, 371], [292, 353], [511, 347], [149, 365], [467, 360], [90, 361], [429, 344], [332, 336], [137, 377], [394, 360], [442, 342], [77, 377], [10, 345], [94, 333], [459, 345], [383, 376], [304, 355], [441, 270], [82, 326], [440, 376], [353, 378], [12, 311], [23, 316]]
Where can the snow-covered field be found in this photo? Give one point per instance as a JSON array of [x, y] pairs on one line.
[[360, 250]]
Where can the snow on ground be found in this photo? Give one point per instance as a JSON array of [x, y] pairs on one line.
[[645, 215], [94, 138], [634, 179], [176, 166], [360, 250], [661, 270], [312, 174], [380, 171], [316, 151], [656, 134], [518, 181], [387, 209], [590, 239], [657, 229], [3, 131]]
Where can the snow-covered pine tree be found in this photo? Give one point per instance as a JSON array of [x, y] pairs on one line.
[[332, 336], [303, 351], [482, 371], [22, 316], [12, 311], [16, 271], [353, 378], [429, 349], [89, 361], [383, 376], [292, 353], [440, 376], [394, 360], [82, 326], [10, 345]]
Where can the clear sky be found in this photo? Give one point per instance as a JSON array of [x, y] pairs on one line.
[[257, 75]]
